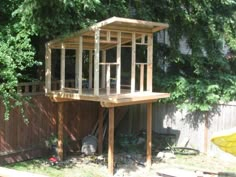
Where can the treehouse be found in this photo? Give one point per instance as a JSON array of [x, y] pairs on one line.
[[104, 82]]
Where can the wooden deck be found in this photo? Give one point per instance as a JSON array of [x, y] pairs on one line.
[[112, 100]]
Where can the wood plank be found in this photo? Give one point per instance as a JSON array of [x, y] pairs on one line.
[[103, 68], [100, 130], [77, 68], [111, 141], [96, 62], [149, 135], [108, 79], [118, 61], [60, 130], [141, 77], [149, 61], [90, 69], [80, 64], [48, 68], [63, 56], [133, 61]]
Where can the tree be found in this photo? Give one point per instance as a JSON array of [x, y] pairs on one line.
[[206, 75]]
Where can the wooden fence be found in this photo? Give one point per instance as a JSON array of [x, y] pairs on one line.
[[20, 140], [197, 128]]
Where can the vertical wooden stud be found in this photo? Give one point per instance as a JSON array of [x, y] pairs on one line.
[[63, 56], [100, 130], [149, 135], [141, 77], [90, 69], [133, 63], [118, 61], [96, 62], [80, 64], [48, 69], [108, 80], [111, 141], [60, 130], [108, 35], [103, 68], [77, 68], [149, 62]]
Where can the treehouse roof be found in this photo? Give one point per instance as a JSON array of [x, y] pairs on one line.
[[108, 28]]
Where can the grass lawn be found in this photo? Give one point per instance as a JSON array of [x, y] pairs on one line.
[[88, 166], [40, 166]]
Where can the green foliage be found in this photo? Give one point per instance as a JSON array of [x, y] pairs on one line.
[[196, 80], [16, 56]]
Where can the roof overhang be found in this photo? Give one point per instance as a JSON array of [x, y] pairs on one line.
[[113, 26]]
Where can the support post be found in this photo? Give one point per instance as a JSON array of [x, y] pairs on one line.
[[63, 56], [100, 130], [90, 69], [96, 62], [149, 62], [118, 61], [60, 130], [149, 135], [80, 64], [133, 63], [48, 69], [103, 68], [111, 141]]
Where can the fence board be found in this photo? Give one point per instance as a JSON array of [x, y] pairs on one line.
[[19, 141], [168, 119]]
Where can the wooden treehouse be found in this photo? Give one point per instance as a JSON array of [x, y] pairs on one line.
[[104, 81]]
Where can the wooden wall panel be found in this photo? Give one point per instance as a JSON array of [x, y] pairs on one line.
[[21, 141]]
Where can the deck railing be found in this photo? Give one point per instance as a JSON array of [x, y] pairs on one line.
[[37, 87]]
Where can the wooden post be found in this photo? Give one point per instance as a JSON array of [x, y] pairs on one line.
[[108, 79], [100, 130], [90, 69], [133, 63], [118, 61], [149, 62], [111, 141], [48, 69], [77, 68], [60, 130], [96, 62], [103, 68], [149, 135], [141, 77], [63, 56], [80, 64]]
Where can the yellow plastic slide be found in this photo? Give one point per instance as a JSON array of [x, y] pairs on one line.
[[226, 140]]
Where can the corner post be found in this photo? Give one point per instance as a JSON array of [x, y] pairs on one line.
[[111, 141], [100, 130], [149, 62], [133, 63], [48, 68], [118, 61], [96, 61], [80, 64], [149, 135]]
